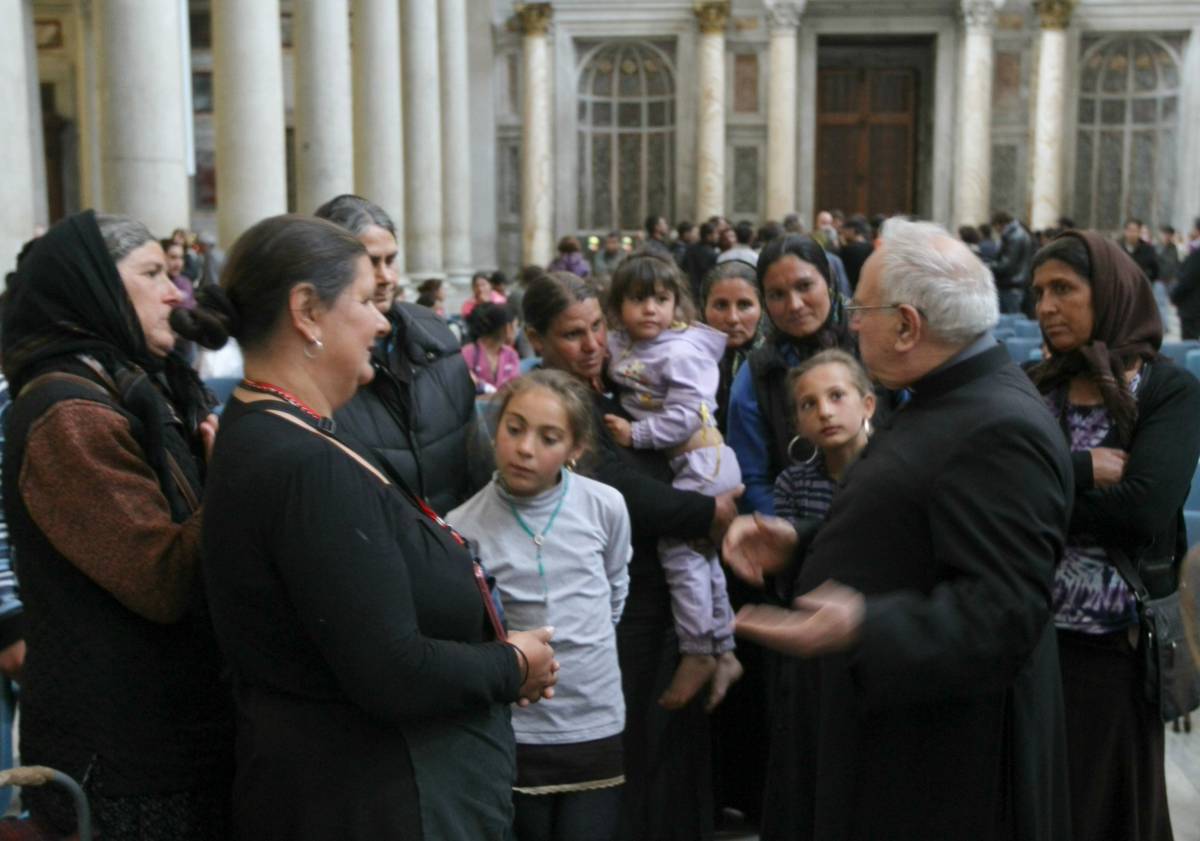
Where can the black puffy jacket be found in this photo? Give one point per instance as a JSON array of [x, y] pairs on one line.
[[417, 415]]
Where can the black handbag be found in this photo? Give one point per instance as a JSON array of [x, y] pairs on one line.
[[1170, 678]]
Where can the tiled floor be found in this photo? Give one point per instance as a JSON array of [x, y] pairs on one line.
[[1183, 787]]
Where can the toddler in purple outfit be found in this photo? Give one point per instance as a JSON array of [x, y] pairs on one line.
[[667, 372]]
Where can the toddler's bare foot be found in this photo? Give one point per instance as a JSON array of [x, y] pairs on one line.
[[728, 672], [693, 671]]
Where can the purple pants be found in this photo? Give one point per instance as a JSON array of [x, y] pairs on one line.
[[699, 600]]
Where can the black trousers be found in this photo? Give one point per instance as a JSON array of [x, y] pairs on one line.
[[569, 816]]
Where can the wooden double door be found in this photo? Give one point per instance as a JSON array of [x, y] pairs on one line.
[[867, 128]]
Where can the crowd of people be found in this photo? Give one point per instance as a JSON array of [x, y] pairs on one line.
[[729, 517]]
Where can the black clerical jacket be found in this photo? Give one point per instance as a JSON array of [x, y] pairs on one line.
[[944, 721]]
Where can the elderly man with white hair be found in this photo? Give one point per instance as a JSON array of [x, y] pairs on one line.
[[928, 662]]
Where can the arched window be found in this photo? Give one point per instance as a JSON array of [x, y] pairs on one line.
[[1125, 150], [626, 136]]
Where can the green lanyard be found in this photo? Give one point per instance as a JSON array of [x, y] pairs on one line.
[[539, 538]]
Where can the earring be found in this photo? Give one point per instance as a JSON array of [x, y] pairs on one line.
[[572, 464], [867, 428], [792, 444], [316, 343]]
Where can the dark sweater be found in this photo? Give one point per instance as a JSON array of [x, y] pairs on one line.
[[359, 646]]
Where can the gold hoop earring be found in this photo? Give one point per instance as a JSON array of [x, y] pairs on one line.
[[867, 428], [572, 464], [316, 343]]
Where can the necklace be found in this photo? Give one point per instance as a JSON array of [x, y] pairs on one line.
[[539, 537], [323, 423]]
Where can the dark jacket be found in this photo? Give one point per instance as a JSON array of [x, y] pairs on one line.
[[1011, 266], [125, 703], [854, 254], [1144, 255], [1186, 293], [417, 414], [944, 719], [1143, 513]]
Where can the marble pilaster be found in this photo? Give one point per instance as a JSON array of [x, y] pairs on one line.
[[537, 174], [456, 146], [423, 138], [378, 115], [142, 114], [16, 149], [1050, 102], [783, 20], [248, 113], [322, 110], [973, 176], [712, 16]]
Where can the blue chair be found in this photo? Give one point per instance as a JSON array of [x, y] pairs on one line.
[[1003, 333], [1035, 355], [1019, 348], [1028, 329], [1178, 351], [1191, 522], [1193, 363], [1193, 499], [1007, 319], [530, 363]]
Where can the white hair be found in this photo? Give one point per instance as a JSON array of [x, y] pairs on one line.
[[925, 267]]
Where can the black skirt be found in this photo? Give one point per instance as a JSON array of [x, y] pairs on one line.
[[1114, 742]]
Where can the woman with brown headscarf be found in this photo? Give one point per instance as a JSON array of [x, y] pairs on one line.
[[1130, 416]]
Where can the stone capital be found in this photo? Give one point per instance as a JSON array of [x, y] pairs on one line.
[[712, 15], [784, 15], [533, 18], [1054, 14], [979, 15]]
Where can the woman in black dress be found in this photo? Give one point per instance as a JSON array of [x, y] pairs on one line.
[[372, 678], [668, 790], [1129, 415], [103, 477]]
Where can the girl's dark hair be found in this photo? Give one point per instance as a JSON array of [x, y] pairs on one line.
[[568, 244], [729, 270], [1069, 250], [265, 263], [575, 398], [429, 287], [640, 276], [549, 295], [488, 319]]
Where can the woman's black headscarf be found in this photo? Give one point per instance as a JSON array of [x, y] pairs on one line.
[[833, 333], [1126, 327], [68, 299]]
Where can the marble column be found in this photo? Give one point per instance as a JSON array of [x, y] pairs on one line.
[[423, 138], [142, 115], [537, 174], [710, 113], [378, 114], [322, 109], [456, 142], [972, 179], [1050, 102], [16, 149], [783, 20], [248, 110]]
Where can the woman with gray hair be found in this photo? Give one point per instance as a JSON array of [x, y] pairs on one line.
[[104, 467], [417, 414]]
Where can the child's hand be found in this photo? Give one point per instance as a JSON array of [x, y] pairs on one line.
[[620, 429]]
